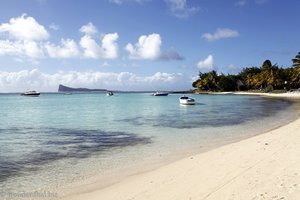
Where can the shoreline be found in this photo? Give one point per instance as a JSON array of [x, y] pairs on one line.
[[238, 170], [291, 95], [288, 95]]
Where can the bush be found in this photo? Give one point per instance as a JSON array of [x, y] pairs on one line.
[[269, 88]]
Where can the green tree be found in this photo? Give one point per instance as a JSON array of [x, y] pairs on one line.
[[267, 77], [227, 83], [249, 76], [207, 81], [295, 79]]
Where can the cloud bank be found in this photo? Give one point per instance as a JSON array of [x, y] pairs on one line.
[[35, 79], [23, 37]]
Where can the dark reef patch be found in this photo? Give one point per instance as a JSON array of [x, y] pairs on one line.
[[53, 144]]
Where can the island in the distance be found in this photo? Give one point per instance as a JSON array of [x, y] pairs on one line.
[[63, 88]]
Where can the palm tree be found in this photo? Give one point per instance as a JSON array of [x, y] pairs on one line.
[[207, 81], [249, 76], [296, 70], [296, 60]]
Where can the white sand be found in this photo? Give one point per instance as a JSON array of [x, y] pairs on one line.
[[285, 95], [266, 166]]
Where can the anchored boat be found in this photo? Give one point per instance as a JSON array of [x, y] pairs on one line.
[[187, 100], [160, 94], [31, 93]]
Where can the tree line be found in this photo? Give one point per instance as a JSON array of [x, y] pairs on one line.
[[268, 77]]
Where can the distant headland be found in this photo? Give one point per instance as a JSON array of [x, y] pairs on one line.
[[63, 88]]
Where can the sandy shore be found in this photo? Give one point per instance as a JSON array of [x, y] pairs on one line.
[[266, 166], [284, 95], [290, 95]]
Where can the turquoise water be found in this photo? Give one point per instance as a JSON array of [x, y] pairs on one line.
[[56, 141]]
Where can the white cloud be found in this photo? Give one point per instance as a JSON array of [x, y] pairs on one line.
[[54, 27], [23, 39], [206, 64], [37, 80], [108, 49], [110, 46], [33, 50], [10, 48], [32, 43], [88, 29], [24, 28], [21, 49], [11, 81], [221, 33], [68, 49], [180, 9], [90, 46], [148, 47]]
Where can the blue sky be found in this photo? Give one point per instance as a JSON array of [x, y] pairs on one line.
[[139, 44]]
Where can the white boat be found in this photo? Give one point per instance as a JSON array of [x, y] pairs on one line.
[[109, 93], [31, 93], [160, 94], [187, 101]]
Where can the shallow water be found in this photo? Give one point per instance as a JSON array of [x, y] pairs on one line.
[[55, 140]]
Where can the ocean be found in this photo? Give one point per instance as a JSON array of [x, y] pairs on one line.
[[56, 142]]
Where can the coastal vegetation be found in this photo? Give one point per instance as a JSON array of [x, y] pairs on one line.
[[266, 78]]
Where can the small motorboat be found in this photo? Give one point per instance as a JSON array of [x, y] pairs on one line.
[[160, 94], [109, 93], [31, 93], [187, 101]]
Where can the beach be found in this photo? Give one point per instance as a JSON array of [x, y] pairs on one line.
[[266, 166], [153, 149], [149, 100], [291, 95]]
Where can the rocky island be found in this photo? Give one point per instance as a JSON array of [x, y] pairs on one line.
[[63, 88]]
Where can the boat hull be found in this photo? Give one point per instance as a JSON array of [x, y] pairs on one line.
[[109, 94], [187, 101], [162, 94], [31, 94]]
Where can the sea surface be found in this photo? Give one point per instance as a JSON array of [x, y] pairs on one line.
[[55, 142]]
